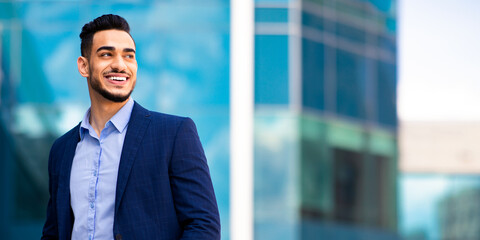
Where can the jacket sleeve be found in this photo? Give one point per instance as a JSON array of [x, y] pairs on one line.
[[50, 229], [192, 188]]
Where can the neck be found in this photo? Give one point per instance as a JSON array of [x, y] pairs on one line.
[[101, 111]]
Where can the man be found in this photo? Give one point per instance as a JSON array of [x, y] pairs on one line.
[[125, 172]]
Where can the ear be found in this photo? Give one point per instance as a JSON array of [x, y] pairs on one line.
[[82, 64]]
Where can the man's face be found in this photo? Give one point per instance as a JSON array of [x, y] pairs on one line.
[[112, 67]]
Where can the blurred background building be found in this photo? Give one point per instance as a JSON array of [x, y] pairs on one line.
[[325, 122], [440, 183], [325, 112], [182, 51], [439, 119], [459, 215]]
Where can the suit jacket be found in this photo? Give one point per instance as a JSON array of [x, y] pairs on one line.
[[163, 191]]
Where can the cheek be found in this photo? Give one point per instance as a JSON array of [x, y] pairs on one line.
[[133, 67], [98, 67]]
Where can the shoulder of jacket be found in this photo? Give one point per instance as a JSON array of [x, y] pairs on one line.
[[72, 133]]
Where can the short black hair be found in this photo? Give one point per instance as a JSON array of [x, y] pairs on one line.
[[104, 22]]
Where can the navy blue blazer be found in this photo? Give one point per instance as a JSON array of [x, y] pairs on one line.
[[163, 191]]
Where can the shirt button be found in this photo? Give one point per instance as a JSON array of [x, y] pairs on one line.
[[91, 205], [95, 173]]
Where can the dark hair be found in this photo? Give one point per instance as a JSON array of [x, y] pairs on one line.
[[104, 22]]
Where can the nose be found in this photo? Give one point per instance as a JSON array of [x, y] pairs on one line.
[[118, 64]]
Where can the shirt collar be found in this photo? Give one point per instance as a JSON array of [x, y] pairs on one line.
[[119, 120]]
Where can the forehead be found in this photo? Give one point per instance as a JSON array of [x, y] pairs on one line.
[[114, 38]]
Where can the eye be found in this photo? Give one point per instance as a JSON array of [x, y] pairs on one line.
[[131, 56], [105, 54]]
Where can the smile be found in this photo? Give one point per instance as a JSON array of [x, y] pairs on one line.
[[118, 78]]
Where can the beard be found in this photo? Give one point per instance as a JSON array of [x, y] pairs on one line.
[[95, 83]]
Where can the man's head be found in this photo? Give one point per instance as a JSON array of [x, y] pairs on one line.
[[104, 22], [108, 58]]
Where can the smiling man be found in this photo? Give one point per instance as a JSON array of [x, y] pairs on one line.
[[126, 172]]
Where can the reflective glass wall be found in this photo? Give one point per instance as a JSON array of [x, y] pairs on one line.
[[439, 206], [183, 58], [325, 105], [325, 120]]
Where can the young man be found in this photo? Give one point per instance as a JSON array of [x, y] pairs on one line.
[[125, 172]]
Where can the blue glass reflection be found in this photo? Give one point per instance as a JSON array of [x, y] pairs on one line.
[[437, 206], [183, 57], [271, 69]]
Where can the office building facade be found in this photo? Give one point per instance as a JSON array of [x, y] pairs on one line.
[[324, 92], [325, 120]]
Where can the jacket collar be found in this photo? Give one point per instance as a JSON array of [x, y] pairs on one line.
[[139, 121]]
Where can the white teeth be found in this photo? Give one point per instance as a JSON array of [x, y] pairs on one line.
[[118, 78]]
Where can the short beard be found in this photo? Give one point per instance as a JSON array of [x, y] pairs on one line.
[[95, 83]]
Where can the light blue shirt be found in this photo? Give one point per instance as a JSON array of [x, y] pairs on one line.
[[93, 178]]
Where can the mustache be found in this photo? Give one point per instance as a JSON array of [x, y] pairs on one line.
[[117, 71]]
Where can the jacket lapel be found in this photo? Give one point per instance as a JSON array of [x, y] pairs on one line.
[[65, 215], [137, 127]]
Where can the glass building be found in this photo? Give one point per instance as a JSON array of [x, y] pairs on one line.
[[325, 120], [325, 155], [439, 183], [183, 58]]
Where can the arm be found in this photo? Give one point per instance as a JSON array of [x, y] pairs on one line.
[[50, 229], [192, 188]]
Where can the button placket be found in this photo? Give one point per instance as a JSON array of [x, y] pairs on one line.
[[92, 195]]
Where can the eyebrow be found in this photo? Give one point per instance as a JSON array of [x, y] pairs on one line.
[[129, 50], [110, 48]]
